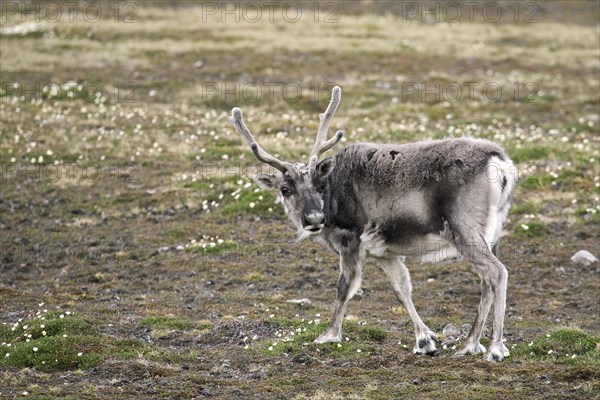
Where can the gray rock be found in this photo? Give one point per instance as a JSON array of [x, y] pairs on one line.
[[584, 257], [303, 358], [451, 331]]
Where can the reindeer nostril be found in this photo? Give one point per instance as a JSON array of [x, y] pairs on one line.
[[319, 219], [312, 219], [304, 220]]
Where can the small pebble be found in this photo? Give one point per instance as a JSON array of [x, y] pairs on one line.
[[451, 331]]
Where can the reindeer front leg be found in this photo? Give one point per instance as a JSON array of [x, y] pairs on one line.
[[399, 276], [347, 285]]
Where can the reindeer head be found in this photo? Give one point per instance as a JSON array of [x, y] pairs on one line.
[[300, 185]]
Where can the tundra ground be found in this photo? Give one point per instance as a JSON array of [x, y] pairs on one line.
[[140, 261]]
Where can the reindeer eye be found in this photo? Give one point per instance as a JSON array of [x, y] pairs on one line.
[[285, 191]]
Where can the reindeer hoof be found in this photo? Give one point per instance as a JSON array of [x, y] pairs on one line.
[[470, 348], [327, 337], [426, 344], [496, 352]]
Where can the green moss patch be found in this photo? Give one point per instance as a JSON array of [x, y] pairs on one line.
[[564, 345], [530, 230], [297, 336], [59, 342]]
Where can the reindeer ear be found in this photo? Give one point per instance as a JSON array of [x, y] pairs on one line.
[[266, 181], [325, 167]]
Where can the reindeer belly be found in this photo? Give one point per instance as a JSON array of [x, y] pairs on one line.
[[417, 239], [429, 248], [408, 224]]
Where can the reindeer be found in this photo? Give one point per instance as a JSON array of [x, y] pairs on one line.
[[429, 200]]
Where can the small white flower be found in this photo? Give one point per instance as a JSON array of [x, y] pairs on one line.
[[358, 350], [339, 345], [550, 351], [79, 354], [270, 348], [252, 204], [61, 316], [35, 349]]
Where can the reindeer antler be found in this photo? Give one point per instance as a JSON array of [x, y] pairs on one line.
[[237, 121], [321, 143]]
